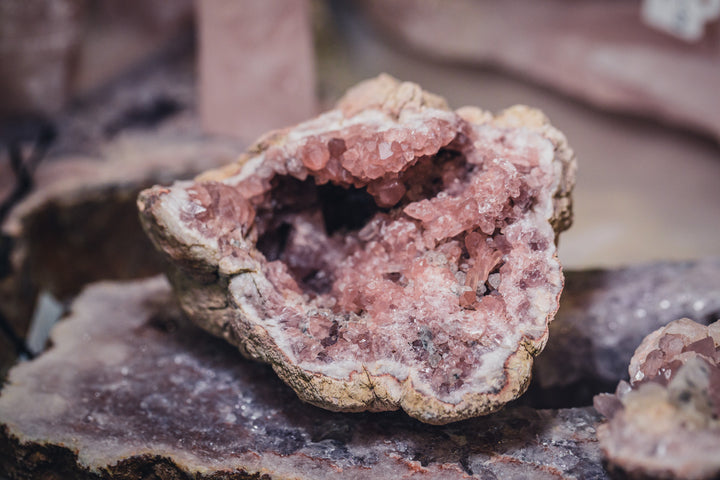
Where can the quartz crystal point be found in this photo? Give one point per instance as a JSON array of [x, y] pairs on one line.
[[390, 253], [666, 422]]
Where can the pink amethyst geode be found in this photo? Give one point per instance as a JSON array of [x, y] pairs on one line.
[[390, 253]]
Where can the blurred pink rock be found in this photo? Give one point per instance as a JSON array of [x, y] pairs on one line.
[[257, 69], [38, 47], [598, 51]]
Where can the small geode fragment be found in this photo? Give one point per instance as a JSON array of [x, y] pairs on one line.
[[666, 421], [390, 253], [605, 314]]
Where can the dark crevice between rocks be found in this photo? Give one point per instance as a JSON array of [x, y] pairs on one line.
[[15, 134], [707, 319], [576, 394], [21, 349], [465, 464], [163, 322], [424, 458], [143, 116]]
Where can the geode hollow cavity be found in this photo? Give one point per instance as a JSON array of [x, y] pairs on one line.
[[390, 253]]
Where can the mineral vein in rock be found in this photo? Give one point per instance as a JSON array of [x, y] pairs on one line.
[[390, 253]]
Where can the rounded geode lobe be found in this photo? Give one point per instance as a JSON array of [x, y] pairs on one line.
[[390, 253], [665, 422]]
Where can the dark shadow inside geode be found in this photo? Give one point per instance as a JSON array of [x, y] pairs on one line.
[[272, 243], [330, 214], [329, 211], [345, 209], [311, 227]]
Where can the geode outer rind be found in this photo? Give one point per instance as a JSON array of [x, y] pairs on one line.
[[390, 253]]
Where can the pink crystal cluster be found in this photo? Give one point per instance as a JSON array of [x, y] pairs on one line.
[[666, 420], [361, 155], [440, 273], [389, 248]]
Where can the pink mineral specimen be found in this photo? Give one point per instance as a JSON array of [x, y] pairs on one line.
[[390, 253], [666, 421]]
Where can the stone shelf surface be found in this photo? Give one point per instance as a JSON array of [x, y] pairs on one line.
[[130, 389]]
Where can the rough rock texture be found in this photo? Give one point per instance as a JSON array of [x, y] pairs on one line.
[[132, 390], [599, 52], [390, 253], [80, 219], [605, 314], [80, 224], [666, 421]]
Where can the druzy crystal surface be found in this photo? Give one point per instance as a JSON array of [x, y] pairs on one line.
[[390, 253]]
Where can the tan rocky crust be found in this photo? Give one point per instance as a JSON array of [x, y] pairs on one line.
[[390, 253], [665, 423]]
